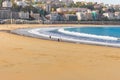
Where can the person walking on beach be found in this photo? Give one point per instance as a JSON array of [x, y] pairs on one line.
[[50, 37], [58, 40]]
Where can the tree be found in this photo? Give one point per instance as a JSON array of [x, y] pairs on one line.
[[16, 8], [30, 8]]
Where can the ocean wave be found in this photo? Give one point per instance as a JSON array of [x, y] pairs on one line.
[[39, 32], [36, 32], [87, 35]]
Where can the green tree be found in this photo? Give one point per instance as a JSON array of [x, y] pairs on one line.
[[29, 8], [16, 8]]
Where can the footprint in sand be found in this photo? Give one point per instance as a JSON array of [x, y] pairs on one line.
[[17, 48]]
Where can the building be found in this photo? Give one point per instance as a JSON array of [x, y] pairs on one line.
[[56, 17], [71, 17], [5, 14], [95, 15], [48, 7], [15, 15], [72, 9], [84, 16], [81, 16], [109, 15], [21, 3], [8, 14], [6, 4], [117, 15], [67, 2], [36, 16], [24, 15], [89, 16], [98, 6], [45, 1]]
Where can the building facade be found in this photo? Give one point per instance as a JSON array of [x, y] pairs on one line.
[[24, 15], [109, 15], [5, 14], [6, 4]]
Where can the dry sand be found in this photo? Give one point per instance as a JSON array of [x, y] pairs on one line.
[[25, 58]]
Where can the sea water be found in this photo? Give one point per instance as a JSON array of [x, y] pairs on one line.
[[99, 31]]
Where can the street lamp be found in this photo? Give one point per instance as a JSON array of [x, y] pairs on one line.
[[11, 17]]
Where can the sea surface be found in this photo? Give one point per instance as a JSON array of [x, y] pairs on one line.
[[100, 31]]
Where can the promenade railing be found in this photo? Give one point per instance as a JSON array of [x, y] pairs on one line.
[[62, 22]]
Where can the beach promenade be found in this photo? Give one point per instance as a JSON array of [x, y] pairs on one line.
[[25, 58]]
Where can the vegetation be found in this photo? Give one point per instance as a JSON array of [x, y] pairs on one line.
[[89, 5], [25, 9]]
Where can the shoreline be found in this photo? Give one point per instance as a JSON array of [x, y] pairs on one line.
[[26, 58], [43, 33]]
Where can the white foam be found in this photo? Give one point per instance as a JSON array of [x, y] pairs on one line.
[[35, 31], [87, 35], [92, 42]]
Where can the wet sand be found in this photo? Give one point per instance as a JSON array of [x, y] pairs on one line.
[[25, 58]]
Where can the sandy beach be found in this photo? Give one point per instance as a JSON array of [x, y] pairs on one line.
[[25, 58]]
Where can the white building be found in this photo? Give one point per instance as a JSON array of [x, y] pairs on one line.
[[55, 17], [24, 15], [89, 16], [109, 15], [21, 3], [80, 16], [67, 1], [5, 14], [48, 7], [46, 0], [7, 4], [84, 15], [117, 15], [73, 9], [36, 16]]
